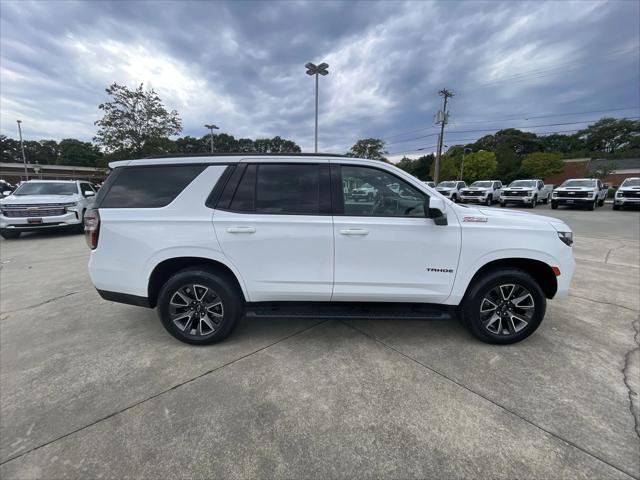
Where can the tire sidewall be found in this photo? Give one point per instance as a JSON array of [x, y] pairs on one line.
[[231, 302], [471, 304]]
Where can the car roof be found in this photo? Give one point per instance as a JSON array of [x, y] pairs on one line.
[[51, 181], [233, 158], [580, 179]]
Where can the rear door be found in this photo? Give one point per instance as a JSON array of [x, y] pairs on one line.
[[273, 222], [386, 250]]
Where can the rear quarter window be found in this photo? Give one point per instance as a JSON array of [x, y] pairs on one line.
[[148, 187]]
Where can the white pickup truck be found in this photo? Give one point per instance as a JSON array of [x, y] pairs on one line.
[[451, 189], [525, 192], [580, 192], [628, 195], [483, 191]]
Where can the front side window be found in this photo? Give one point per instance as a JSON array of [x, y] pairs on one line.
[[47, 188], [386, 194]]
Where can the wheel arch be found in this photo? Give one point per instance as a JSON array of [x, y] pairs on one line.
[[163, 270], [539, 270]]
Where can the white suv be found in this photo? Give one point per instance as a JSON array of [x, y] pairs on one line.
[[206, 239], [628, 194], [482, 191], [44, 204], [525, 192]]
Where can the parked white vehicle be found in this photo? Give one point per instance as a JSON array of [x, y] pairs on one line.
[[582, 192], [451, 189], [208, 238], [628, 194], [43, 204], [364, 192], [482, 191], [525, 192]]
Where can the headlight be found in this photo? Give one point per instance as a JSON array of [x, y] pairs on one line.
[[618, 193], [566, 237], [592, 194], [555, 194]]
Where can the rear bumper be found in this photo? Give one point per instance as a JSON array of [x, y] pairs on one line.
[[22, 223], [125, 298]]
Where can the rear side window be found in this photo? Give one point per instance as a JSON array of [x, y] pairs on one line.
[[149, 187], [282, 189]]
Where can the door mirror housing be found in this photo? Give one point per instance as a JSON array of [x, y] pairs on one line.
[[435, 209], [89, 193], [6, 193]]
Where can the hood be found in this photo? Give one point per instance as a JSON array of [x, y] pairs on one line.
[[514, 217], [576, 189], [477, 189], [519, 188], [34, 199], [444, 189], [629, 189]]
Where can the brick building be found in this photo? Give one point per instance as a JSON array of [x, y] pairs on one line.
[[580, 168]]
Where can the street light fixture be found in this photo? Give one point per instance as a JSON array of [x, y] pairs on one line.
[[313, 69], [211, 127], [462, 164], [24, 159]]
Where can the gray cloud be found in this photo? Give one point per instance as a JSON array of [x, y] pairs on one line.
[[240, 65]]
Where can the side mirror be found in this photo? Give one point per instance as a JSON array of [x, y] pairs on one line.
[[89, 193], [6, 193], [435, 208]]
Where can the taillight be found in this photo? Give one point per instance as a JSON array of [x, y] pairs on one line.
[[92, 227]]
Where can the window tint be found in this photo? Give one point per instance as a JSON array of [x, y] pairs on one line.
[[288, 189], [374, 193], [149, 187], [243, 200]]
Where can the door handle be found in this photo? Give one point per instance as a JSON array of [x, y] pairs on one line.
[[241, 230], [354, 231]]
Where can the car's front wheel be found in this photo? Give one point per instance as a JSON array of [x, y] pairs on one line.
[[616, 207], [9, 234], [489, 200], [554, 205], [534, 202], [199, 306], [503, 306]]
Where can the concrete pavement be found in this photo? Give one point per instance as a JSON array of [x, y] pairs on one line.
[[94, 389]]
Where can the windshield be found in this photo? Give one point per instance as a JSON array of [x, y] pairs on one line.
[[481, 184], [46, 189], [579, 183], [523, 183], [631, 182], [447, 184]]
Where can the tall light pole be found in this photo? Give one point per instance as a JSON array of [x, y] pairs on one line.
[[211, 127], [462, 164], [442, 118], [24, 159], [313, 69]]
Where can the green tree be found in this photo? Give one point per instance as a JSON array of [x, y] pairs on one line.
[[132, 118], [610, 135], [450, 168], [541, 165], [419, 167], [372, 148], [480, 166], [75, 152]]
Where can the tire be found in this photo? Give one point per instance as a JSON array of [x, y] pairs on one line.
[[546, 200], [503, 204], [601, 203], [454, 198], [79, 228], [224, 301], [554, 205], [9, 234], [477, 306], [489, 201], [616, 207], [534, 202], [592, 206]]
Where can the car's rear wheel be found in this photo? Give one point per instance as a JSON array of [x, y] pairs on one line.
[[198, 306], [546, 200], [503, 306], [9, 234], [454, 198]]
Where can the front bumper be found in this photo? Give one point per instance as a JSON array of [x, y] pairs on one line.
[[473, 198], [26, 224], [516, 199], [626, 201], [573, 201]]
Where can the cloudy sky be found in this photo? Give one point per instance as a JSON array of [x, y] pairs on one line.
[[538, 65]]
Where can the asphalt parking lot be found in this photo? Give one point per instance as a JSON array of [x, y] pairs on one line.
[[94, 389]]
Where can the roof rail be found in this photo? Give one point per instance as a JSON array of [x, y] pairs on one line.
[[245, 154]]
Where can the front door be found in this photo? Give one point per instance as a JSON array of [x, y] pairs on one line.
[[386, 250], [277, 230]]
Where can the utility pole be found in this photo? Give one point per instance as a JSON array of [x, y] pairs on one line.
[[442, 118], [24, 159], [211, 127], [313, 69]]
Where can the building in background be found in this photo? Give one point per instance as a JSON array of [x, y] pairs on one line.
[[580, 168], [14, 172]]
